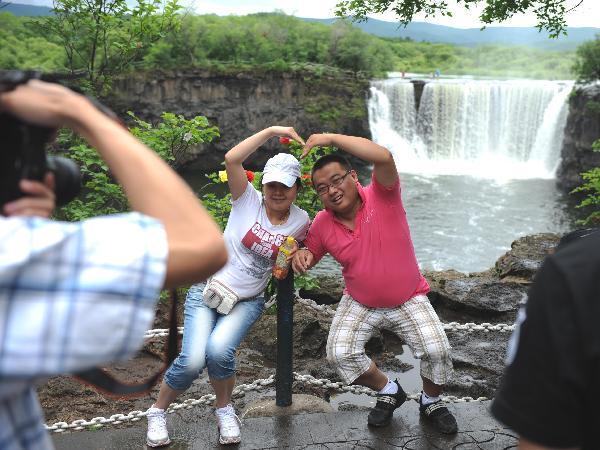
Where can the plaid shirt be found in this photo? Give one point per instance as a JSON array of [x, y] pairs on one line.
[[72, 296]]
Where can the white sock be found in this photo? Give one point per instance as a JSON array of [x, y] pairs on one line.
[[223, 410], [389, 388], [427, 400]]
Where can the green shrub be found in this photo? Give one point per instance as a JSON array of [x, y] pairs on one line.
[[591, 188], [101, 194], [587, 62]]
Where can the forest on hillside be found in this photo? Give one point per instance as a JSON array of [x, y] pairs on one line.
[[279, 42]]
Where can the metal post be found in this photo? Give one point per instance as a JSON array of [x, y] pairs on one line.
[[285, 318]]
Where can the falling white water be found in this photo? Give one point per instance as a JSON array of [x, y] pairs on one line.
[[488, 129], [549, 138], [502, 139]]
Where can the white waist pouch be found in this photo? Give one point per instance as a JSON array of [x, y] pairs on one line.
[[219, 296]]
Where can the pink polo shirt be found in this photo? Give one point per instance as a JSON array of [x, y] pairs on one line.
[[377, 258]]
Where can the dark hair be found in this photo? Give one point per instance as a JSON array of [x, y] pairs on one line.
[[329, 159]]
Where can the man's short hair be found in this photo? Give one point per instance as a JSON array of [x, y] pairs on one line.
[[328, 159]]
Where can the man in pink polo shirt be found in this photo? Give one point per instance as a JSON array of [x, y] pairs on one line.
[[366, 231]]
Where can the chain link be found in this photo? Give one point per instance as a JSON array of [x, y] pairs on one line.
[[451, 326], [325, 310], [160, 332], [241, 390], [116, 419], [329, 312], [340, 387]]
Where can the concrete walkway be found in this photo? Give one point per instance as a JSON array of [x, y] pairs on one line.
[[336, 430]]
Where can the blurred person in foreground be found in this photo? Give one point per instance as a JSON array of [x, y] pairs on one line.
[[365, 229], [76, 295], [550, 390]]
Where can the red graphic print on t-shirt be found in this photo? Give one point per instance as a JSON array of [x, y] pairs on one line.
[[262, 242]]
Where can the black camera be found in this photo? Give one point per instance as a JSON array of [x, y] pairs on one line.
[[23, 150]]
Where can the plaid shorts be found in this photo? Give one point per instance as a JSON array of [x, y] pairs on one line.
[[414, 321]]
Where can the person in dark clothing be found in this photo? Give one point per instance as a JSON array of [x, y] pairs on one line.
[[550, 389]]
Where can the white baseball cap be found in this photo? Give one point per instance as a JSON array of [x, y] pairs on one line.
[[282, 168]]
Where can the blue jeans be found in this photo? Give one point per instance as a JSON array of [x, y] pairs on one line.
[[210, 339]]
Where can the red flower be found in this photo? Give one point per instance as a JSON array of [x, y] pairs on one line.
[[284, 140], [250, 175], [306, 176]]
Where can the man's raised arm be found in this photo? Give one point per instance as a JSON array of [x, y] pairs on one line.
[[384, 167]]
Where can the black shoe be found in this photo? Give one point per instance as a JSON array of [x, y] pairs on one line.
[[382, 413], [439, 417]]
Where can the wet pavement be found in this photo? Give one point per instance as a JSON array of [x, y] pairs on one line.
[[334, 430]]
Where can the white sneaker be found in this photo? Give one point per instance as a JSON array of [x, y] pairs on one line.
[[229, 425], [157, 434]]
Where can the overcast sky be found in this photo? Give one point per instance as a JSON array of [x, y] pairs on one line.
[[586, 15]]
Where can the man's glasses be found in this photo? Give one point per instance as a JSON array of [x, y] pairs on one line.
[[323, 189]]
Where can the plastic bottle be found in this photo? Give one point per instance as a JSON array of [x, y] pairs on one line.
[[282, 267]]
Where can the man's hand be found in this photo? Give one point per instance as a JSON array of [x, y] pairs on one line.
[[384, 166], [302, 261], [288, 132], [39, 199], [317, 140]]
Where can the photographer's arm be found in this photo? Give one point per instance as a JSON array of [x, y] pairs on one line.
[[384, 166], [196, 247], [234, 158]]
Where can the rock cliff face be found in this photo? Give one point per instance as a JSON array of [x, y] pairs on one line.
[[582, 129], [243, 103]]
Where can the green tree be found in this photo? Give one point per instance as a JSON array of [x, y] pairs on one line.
[[101, 194], [550, 14], [22, 47], [174, 136], [285, 43], [271, 41], [587, 60], [591, 188], [276, 42], [104, 37], [587, 68]]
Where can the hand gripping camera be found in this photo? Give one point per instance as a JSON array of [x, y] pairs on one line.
[[23, 153]]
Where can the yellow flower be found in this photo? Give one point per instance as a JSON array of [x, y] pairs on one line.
[[223, 175]]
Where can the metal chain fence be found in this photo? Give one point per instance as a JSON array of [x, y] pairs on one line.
[[257, 385]]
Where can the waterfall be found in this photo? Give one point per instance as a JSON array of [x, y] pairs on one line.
[[484, 128]]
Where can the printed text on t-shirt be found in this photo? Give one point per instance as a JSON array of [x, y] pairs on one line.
[[261, 242]]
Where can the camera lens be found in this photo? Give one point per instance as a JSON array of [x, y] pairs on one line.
[[67, 179]]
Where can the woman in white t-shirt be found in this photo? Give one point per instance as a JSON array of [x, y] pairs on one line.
[[219, 314]]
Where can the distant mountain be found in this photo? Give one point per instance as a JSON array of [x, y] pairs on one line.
[[417, 31], [25, 10], [421, 31]]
